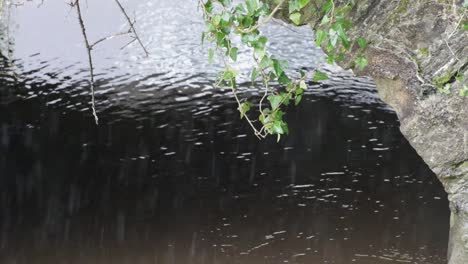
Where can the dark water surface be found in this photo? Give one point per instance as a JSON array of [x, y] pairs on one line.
[[173, 176]]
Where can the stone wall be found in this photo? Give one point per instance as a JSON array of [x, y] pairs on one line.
[[416, 49]]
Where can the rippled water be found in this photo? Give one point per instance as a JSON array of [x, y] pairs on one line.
[[171, 175]]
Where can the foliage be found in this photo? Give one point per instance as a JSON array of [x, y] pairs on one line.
[[226, 19]]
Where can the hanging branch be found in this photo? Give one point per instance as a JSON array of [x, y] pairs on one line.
[[132, 28], [89, 48]]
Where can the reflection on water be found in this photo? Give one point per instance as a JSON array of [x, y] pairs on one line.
[[172, 176]]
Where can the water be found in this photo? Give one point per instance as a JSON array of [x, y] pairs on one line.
[[171, 175]]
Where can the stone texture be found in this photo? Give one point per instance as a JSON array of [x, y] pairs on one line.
[[416, 48]]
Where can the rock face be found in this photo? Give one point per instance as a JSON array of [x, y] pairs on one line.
[[418, 48]]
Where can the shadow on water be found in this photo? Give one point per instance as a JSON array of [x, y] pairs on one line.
[[173, 176]]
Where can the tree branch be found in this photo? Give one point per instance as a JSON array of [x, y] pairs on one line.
[[89, 48], [132, 28]]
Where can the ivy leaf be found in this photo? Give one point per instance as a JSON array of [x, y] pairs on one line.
[[295, 18], [225, 3], [361, 62], [229, 74], [277, 128], [216, 19], [298, 99], [342, 35], [325, 20], [233, 53], [284, 79], [279, 66], [331, 58], [333, 36], [294, 5], [252, 6], [285, 98], [319, 76], [275, 101], [303, 3], [209, 6], [464, 91], [210, 56], [327, 6], [244, 108], [303, 85], [319, 37], [446, 89], [240, 8], [254, 75], [266, 62]]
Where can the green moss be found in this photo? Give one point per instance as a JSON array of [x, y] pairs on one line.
[[464, 165], [424, 51], [441, 80], [401, 9]]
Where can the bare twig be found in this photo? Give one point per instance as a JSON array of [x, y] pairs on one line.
[[89, 48], [132, 28], [110, 37]]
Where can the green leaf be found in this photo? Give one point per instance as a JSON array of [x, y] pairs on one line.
[[294, 5], [210, 55], [284, 79], [333, 35], [278, 128], [266, 62], [254, 75], [275, 101], [279, 66], [299, 91], [303, 85], [295, 18], [298, 99], [240, 8], [233, 53], [216, 19], [342, 35], [259, 46], [319, 37], [464, 91], [327, 6], [209, 6], [285, 98], [325, 20], [447, 89], [225, 3], [303, 3], [362, 42], [331, 58], [361, 62], [244, 108], [252, 6], [320, 76], [229, 74]]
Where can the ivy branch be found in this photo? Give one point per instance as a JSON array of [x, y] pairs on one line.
[[224, 19]]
